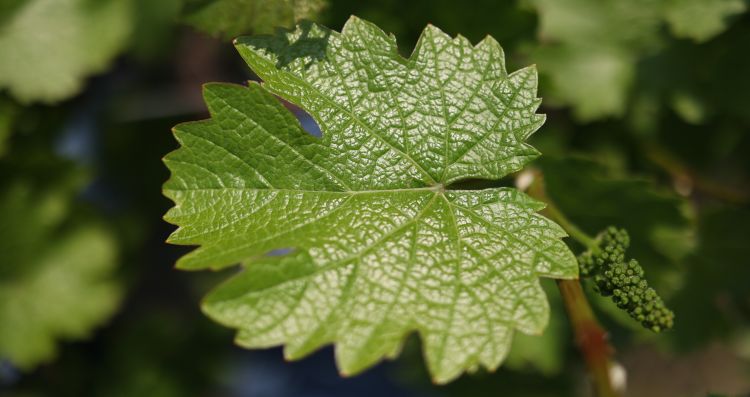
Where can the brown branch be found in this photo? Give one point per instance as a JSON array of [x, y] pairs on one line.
[[590, 337], [687, 179]]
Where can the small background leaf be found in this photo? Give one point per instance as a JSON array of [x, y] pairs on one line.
[[78, 38], [230, 18], [55, 275]]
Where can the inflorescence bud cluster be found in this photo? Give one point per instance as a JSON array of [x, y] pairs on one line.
[[624, 281]]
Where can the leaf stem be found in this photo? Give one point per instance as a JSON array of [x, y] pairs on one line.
[[590, 337], [554, 213]]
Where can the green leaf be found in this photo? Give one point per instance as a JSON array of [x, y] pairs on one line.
[[8, 9], [544, 353], [505, 21], [154, 30], [8, 113], [598, 22], [230, 18], [715, 282], [382, 245], [701, 20], [594, 81], [50, 47], [591, 48], [709, 99], [55, 275]]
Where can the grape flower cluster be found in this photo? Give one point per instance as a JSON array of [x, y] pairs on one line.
[[624, 281]]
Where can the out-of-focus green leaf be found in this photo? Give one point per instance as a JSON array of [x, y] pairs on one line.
[[146, 356], [627, 24], [579, 75], [154, 28], [383, 245], [701, 93], [590, 49], [49, 47], [715, 297], [8, 8], [689, 107], [55, 270], [595, 198], [8, 113], [701, 19], [230, 18]]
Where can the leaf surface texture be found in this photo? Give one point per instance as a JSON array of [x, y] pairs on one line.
[[381, 244]]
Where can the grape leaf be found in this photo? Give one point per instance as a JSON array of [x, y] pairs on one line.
[[505, 21], [229, 18], [50, 46], [543, 353], [55, 277], [382, 245]]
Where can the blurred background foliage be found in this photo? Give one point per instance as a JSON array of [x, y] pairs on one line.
[[648, 105]]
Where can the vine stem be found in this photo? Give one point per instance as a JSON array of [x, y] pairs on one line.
[[682, 174], [590, 337]]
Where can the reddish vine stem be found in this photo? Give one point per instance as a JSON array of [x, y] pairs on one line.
[[590, 337]]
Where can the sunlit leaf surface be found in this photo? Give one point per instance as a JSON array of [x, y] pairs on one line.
[[382, 245]]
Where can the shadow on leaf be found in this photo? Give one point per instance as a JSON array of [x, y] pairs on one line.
[[308, 42]]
